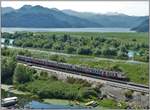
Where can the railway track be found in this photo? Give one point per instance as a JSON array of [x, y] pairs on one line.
[[112, 82]]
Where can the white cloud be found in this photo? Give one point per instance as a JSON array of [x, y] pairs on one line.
[[126, 7]]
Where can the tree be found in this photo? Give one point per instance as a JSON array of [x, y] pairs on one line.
[[84, 51], [64, 37], [121, 54], [115, 68], [54, 37], [106, 51], [22, 74], [7, 35], [87, 92], [6, 42], [57, 46], [113, 51], [123, 48], [97, 52], [24, 52], [70, 49], [54, 57], [47, 45], [7, 70]]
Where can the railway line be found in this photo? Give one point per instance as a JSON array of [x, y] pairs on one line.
[[110, 81]]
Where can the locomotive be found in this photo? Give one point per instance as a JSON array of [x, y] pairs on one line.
[[74, 68]]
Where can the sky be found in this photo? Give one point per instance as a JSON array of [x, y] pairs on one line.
[[136, 8]]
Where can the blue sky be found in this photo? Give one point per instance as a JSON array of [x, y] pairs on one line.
[[137, 8]]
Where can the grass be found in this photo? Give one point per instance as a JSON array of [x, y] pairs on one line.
[[136, 72], [57, 101], [61, 102], [110, 103]]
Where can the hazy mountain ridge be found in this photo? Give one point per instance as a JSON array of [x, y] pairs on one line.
[[109, 19], [38, 16], [7, 10], [142, 27]]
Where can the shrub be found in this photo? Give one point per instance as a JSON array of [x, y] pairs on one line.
[[22, 74], [128, 94], [58, 89], [72, 80], [54, 77], [88, 92]]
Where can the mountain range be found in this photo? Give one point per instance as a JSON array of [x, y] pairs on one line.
[[42, 17], [142, 27], [109, 19]]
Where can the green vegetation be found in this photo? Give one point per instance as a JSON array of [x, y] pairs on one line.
[[7, 70], [58, 89], [60, 101], [43, 86], [22, 74], [6, 87], [110, 103], [86, 49], [109, 45], [28, 80], [50, 87], [128, 94], [136, 72]]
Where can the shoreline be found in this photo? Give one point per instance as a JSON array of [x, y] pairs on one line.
[[53, 101]]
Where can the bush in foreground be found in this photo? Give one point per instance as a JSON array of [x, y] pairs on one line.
[[22, 74], [58, 89]]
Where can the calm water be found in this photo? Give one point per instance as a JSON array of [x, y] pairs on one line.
[[11, 30], [10, 41]]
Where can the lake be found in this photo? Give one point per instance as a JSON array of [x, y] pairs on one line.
[[13, 29], [10, 41]]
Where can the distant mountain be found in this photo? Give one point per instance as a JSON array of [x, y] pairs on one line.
[[38, 16], [41, 17], [142, 27], [7, 10], [109, 19]]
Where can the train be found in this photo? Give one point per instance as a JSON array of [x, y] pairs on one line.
[[74, 68]]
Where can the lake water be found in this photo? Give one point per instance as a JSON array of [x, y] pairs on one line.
[[12, 29], [10, 41]]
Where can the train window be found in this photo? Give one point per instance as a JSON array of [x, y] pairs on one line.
[[115, 74], [95, 71], [100, 72]]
